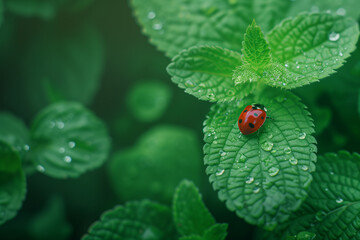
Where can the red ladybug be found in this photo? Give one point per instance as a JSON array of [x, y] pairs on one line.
[[252, 118]]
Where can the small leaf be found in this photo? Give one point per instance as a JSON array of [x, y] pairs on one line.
[[312, 46], [255, 49], [12, 184], [190, 213], [148, 100], [206, 73], [9, 159], [263, 176], [216, 232], [332, 210], [136, 220], [68, 140]]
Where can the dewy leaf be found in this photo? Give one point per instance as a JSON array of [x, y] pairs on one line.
[[312, 46], [63, 65], [255, 49], [148, 100], [68, 140], [216, 232], [14, 132], [332, 209], [190, 213], [263, 176], [135, 220], [154, 172], [12, 185], [206, 73]]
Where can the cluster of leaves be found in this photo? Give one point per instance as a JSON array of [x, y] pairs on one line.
[[189, 219], [264, 177], [65, 140]]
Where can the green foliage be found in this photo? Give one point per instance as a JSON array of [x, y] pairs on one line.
[[12, 183], [135, 220], [206, 73], [50, 223], [154, 166], [148, 100], [332, 209], [68, 140], [264, 176], [312, 46], [63, 64]]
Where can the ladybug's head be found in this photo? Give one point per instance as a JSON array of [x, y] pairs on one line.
[[259, 106]]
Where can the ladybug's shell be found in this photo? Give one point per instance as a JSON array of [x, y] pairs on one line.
[[251, 119]]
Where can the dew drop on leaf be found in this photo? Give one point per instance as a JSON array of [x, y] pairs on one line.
[[61, 150], [256, 189], [249, 179], [326, 189], [67, 159], [222, 153], [339, 200], [273, 151], [293, 161], [151, 15], [189, 84], [270, 136], [40, 168], [26, 147], [287, 150], [305, 168], [331, 173], [302, 135], [60, 125], [273, 171], [211, 96], [267, 146], [157, 26], [72, 144], [333, 36], [341, 12], [220, 172]]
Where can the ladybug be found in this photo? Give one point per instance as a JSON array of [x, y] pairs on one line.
[[252, 118]]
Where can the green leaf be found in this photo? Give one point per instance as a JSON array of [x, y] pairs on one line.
[[191, 216], [63, 65], [51, 222], [12, 184], [136, 220], [216, 232], [9, 158], [332, 209], [312, 46], [68, 140], [206, 73], [45, 9], [14, 132], [255, 49], [263, 176], [148, 100], [174, 153]]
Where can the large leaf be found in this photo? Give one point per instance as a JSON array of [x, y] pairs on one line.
[[191, 216], [12, 183], [135, 220], [206, 73], [263, 176], [63, 64], [332, 210], [153, 168], [311, 46], [68, 140]]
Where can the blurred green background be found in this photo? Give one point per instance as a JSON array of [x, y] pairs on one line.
[[94, 52]]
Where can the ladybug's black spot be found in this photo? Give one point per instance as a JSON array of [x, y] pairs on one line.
[[240, 120], [255, 114], [262, 117], [245, 110], [251, 125]]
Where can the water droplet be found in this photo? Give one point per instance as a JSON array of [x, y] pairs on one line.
[[286, 65], [61, 150], [72, 144], [211, 96], [267, 146], [249, 179], [287, 150], [339, 200], [331, 173], [284, 84], [202, 85], [67, 159], [189, 83], [157, 26], [220, 172], [273, 151], [151, 15], [293, 161], [240, 158], [326, 189], [26, 147], [40, 168], [270, 136], [305, 168], [341, 54], [273, 171], [60, 125], [302, 135], [256, 189], [298, 66], [222, 153], [333, 36], [341, 12]]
